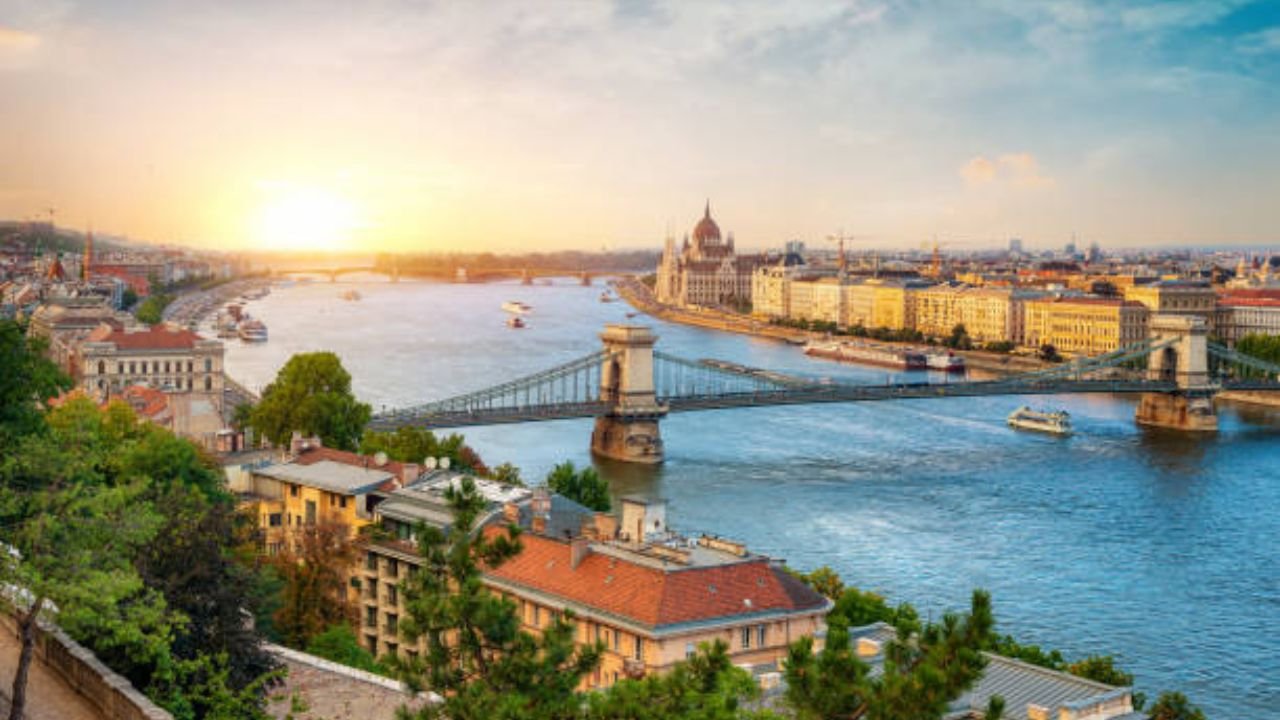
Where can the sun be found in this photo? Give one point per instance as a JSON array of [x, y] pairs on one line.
[[305, 218]]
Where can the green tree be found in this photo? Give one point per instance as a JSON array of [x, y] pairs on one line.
[[151, 311], [826, 581], [507, 474], [410, 444], [1174, 706], [340, 644], [924, 670], [312, 394], [27, 381], [583, 486], [477, 656], [128, 298], [74, 550], [707, 686], [959, 338], [202, 689]]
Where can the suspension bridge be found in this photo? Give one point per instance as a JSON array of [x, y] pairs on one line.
[[628, 387]]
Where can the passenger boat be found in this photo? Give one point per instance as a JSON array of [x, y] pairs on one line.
[[1055, 423], [515, 322], [606, 297], [868, 354], [351, 295], [948, 362], [253, 331], [517, 307]]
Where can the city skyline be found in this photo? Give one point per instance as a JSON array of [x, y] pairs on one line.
[[510, 127]]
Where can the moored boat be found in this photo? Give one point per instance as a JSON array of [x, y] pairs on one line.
[[515, 322], [948, 362], [868, 354], [517, 307], [252, 330], [1056, 422]]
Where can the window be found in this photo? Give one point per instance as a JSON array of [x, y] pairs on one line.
[[208, 364], [133, 368], [274, 520], [119, 368], [761, 633], [311, 512], [208, 384], [102, 367], [371, 590], [617, 641], [393, 594], [372, 642], [144, 367], [190, 367], [639, 653], [370, 615], [393, 567], [342, 501], [392, 648], [393, 623], [689, 650], [293, 491], [371, 562], [167, 366], [537, 616], [597, 632], [746, 638]]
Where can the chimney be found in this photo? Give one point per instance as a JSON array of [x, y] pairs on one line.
[[579, 549], [511, 513], [409, 472]]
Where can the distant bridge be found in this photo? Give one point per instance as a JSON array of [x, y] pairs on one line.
[[628, 387], [456, 274]]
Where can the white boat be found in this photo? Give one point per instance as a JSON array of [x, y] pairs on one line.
[[948, 362], [605, 297], [253, 331], [517, 307], [515, 322], [1056, 422]]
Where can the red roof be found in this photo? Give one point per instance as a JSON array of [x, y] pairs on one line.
[[1257, 294], [145, 401], [157, 337], [652, 596], [1249, 302]]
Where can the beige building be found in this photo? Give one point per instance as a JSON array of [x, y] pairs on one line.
[[1176, 297], [706, 271], [64, 325], [988, 314], [648, 595], [1085, 326], [165, 357], [1247, 312]]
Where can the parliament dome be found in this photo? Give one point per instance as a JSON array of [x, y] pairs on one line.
[[706, 229]]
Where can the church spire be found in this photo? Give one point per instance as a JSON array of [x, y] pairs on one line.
[[707, 212]]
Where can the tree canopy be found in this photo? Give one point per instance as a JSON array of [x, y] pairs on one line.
[[312, 394], [27, 381], [583, 486], [411, 444]]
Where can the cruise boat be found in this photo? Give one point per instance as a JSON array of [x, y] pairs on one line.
[[607, 297], [253, 330], [1056, 422], [948, 362], [517, 307], [515, 322], [868, 354]]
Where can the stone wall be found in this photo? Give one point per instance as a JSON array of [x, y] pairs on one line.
[[112, 694]]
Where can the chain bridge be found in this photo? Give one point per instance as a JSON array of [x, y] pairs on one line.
[[628, 386]]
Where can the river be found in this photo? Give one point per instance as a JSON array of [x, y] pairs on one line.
[[1155, 547]]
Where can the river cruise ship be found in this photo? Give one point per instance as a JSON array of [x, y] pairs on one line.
[[868, 354], [1056, 422]]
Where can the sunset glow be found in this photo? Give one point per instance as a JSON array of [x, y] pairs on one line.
[[305, 218]]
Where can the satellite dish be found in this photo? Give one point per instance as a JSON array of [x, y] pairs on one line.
[[380, 459], [444, 463], [430, 463]]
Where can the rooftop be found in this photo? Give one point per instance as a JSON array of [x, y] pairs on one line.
[[157, 337], [328, 475]]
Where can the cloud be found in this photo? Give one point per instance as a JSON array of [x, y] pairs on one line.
[[1262, 42], [17, 41], [1020, 170]]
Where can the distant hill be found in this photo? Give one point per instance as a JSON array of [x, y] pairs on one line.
[[51, 239]]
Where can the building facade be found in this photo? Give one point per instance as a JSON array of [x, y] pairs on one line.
[[164, 357], [987, 314], [1247, 312], [706, 270], [1085, 326]]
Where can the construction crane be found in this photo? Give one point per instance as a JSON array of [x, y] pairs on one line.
[[935, 264], [840, 239]]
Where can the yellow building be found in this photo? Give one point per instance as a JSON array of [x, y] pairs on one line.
[[988, 314], [1085, 326], [1176, 297]]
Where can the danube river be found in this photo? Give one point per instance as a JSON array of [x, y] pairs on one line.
[[1161, 549]]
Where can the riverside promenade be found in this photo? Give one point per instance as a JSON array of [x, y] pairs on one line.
[[641, 298]]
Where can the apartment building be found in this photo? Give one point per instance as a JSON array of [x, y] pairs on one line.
[[1084, 326], [988, 314], [648, 595]]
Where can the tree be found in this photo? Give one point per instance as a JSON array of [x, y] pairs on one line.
[[824, 580], [923, 671], [1174, 706], [151, 311], [507, 474], [75, 553], [340, 644], [128, 298], [707, 686], [410, 444], [27, 381], [477, 656], [1048, 353], [582, 486], [312, 394], [314, 565], [959, 338]]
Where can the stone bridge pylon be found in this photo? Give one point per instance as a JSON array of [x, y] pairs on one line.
[[629, 430], [1185, 362]]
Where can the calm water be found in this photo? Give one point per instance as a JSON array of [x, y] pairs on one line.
[[1157, 548]]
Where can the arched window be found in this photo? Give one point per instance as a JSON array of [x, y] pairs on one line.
[[102, 367], [208, 364], [208, 384]]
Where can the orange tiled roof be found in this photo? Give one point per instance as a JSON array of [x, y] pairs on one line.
[[157, 337], [652, 596]]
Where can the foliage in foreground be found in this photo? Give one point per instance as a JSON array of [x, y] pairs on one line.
[[415, 445], [584, 486]]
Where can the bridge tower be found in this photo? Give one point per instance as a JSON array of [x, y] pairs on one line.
[[1186, 362], [629, 431], [584, 278]]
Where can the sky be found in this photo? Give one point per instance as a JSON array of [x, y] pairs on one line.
[[521, 126]]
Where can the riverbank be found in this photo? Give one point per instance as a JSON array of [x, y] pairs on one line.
[[639, 296], [190, 308]]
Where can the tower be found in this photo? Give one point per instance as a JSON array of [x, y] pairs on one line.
[[88, 256]]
